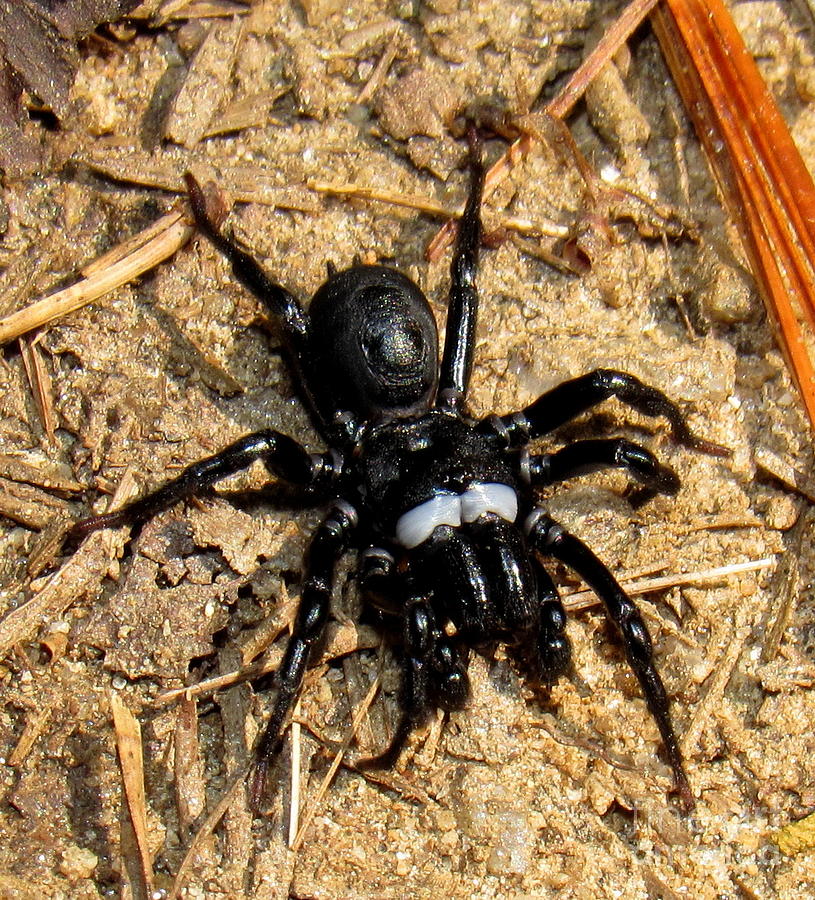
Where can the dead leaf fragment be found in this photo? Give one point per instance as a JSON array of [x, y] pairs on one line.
[[797, 836], [131, 763]]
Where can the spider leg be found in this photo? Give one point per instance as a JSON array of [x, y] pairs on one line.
[[584, 457], [281, 454], [574, 397], [504, 560], [553, 646], [327, 545], [285, 308], [550, 539], [462, 307], [461, 581], [420, 633]]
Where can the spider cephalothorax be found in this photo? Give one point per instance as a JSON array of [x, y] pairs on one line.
[[439, 506]]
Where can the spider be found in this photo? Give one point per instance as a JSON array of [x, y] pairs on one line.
[[439, 505]]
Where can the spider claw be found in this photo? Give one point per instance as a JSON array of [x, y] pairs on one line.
[[387, 759], [384, 760], [257, 789], [683, 789], [703, 446]]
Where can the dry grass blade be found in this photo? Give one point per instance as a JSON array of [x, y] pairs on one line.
[[784, 591], [190, 788], [765, 183], [433, 208], [248, 112], [198, 9], [154, 245], [207, 828], [33, 468], [614, 37], [131, 762], [584, 599], [294, 781], [41, 385], [393, 198], [380, 71], [341, 639], [314, 805], [558, 107]]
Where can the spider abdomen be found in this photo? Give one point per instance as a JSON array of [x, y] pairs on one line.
[[373, 345]]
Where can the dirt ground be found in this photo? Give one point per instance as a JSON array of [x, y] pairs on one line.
[[521, 795]]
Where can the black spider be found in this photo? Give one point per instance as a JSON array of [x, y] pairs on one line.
[[440, 505]]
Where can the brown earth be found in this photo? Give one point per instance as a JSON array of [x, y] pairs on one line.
[[520, 795]]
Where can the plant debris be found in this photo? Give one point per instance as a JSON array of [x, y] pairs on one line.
[[38, 55]]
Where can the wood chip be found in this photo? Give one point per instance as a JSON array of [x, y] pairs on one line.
[[37, 469], [34, 726], [202, 92]]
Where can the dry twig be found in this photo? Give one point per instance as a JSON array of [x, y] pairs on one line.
[[584, 599], [133, 258]]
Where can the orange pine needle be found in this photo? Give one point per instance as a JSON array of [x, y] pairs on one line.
[[762, 176]]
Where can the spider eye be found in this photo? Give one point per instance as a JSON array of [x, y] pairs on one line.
[[393, 347]]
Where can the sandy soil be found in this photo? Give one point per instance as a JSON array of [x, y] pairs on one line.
[[520, 795]]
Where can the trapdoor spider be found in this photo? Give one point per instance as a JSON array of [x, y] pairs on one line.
[[439, 505]]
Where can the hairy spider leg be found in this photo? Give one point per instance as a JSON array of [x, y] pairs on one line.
[[550, 539], [570, 399], [282, 456], [462, 307], [329, 542]]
